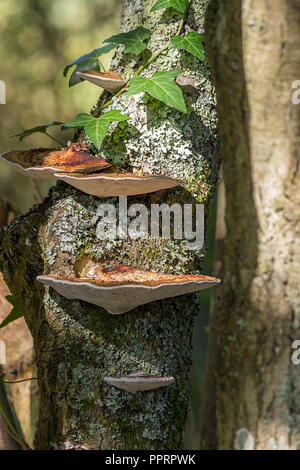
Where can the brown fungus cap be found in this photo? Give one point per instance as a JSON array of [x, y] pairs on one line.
[[110, 81], [123, 288], [139, 382], [113, 184], [44, 163]]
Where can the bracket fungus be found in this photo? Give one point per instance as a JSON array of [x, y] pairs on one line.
[[113, 184], [121, 288], [109, 81], [46, 163], [139, 382]]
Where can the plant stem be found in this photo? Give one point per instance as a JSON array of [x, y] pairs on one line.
[[142, 67], [152, 59], [101, 65], [53, 138], [164, 48], [108, 103]]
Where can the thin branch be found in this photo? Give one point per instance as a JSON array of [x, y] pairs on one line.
[[11, 430], [6, 429], [18, 381]]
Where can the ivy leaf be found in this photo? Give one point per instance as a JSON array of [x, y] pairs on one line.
[[179, 5], [191, 43], [42, 128], [87, 61], [134, 41], [96, 128], [14, 314], [162, 87]]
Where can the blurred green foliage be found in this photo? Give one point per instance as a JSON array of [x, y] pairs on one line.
[[38, 39]]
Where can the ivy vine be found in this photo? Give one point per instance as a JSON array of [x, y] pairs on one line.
[[160, 86]]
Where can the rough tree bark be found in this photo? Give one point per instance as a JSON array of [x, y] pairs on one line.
[[254, 53], [77, 344]]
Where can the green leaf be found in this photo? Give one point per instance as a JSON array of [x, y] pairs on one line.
[[179, 5], [97, 128], [191, 43], [87, 62], [134, 41], [14, 314], [42, 128], [162, 87]]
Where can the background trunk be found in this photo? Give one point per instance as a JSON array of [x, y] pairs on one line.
[[208, 428], [78, 344], [254, 52]]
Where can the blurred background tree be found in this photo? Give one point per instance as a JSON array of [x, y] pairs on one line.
[[38, 39]]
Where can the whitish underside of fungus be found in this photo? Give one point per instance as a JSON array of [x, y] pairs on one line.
[[113, 184], [139, 382], [45, 163], [123, 288], [110, 81]]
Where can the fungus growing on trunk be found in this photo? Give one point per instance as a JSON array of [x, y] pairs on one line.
[[109, 81], [122, 288], [45, 163], [139, 382], [113, 184]]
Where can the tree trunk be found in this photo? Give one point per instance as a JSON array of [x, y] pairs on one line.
[[78, 344], [208, 428], [254, 53]]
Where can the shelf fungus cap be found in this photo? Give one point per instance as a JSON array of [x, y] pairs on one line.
[[47, 163], [122, 288], [113, 184], [139, 382], [109, 81]]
